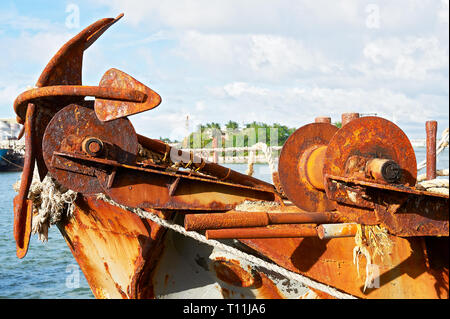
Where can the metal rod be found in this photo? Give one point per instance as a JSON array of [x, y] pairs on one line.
[[234, 219], [273, 231], [225, 220], [79, 90], [431, 128], [326, 231]]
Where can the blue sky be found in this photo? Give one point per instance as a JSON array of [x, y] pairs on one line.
[[283, 61]]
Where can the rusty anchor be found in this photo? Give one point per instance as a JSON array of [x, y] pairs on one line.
[[91, 147]]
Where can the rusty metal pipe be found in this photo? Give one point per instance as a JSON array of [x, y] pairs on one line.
[[303, 218], [197, 163], [79, 90], [347, 117], [383, 170], [431, 128], [323, 119], [326, 231], [273, 231], [235, 219], [225, 220]]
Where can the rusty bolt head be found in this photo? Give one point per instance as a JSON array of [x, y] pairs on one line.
[[92, 146]]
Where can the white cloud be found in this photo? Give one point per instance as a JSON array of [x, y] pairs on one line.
[[240, 16], [13, 20], [284, 61], [306, 103], [257, 56], [444, 11], [413, 58]]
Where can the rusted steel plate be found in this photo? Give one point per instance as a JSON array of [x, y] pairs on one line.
[[23, 207], [293, 164], [404, 211], [403, 273], [107, 109], [152, 190], [124, 256], [66, 132], [188, 269], [116, 250], [222, 173], [145, 187], [418, 216], [397, 188]]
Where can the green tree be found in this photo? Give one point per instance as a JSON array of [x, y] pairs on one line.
[[232, 125], [213, 125]]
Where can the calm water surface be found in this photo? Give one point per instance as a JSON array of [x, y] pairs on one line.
[[49, 270]]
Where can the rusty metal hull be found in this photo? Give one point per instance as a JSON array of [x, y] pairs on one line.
[[125, 256]]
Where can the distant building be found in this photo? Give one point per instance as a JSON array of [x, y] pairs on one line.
[[9, 129]]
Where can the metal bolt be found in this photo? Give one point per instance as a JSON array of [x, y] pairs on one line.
[[93, 146]]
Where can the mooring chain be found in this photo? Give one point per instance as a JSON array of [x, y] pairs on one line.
[[214, 243]]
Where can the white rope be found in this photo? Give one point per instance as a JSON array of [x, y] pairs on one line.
[[214, 243], [52, 203], [267, 150], [439, 172], [440, 186]]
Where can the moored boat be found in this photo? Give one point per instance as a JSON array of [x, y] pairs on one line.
[[343, 218]]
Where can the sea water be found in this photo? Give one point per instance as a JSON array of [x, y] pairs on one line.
[[49, 270]]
